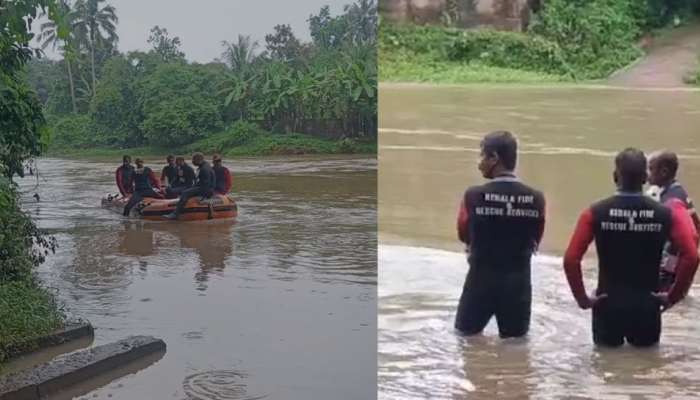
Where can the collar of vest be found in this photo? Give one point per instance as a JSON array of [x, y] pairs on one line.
[[506, 177], [629, 194], [674, 183]]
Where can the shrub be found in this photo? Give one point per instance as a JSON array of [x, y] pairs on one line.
[[238, 134], [72, 131], [508, 50], [22, 244], [596, 36]]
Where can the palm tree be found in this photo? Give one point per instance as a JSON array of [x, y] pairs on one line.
[[94, 24], [241, 54], [49, 37]]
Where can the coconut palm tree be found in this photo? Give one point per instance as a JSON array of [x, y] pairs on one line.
[[95, 23], [240, 55], [49, 36]]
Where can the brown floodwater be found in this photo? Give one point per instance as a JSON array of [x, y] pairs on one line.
[[279, 303], [568, 136]]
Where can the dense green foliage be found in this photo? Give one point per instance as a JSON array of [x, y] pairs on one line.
[[26, 311], [25, 308], [567, 39], [158, 98]]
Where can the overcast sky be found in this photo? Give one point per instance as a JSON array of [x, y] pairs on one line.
[[203, 24]]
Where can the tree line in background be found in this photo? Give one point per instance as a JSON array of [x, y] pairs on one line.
[[97, 96]]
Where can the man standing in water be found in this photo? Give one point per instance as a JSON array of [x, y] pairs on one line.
[[206, 181], [630, 231], [502, 223], [663, 166]]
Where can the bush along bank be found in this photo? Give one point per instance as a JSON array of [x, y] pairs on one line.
[[566, 41], [27, 310], [240, 139]]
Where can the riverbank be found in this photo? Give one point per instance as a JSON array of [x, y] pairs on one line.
[[639, 56], [257, 146], [27, 311]]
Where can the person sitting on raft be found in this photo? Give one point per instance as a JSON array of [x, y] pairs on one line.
[[145, 185], [502, 223], [663, 166], [125, 176], [206, 181], [224, 181], [168, 175], [184, 179], [630, 230]]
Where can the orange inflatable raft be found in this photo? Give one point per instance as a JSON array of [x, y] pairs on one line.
[[196, 209]]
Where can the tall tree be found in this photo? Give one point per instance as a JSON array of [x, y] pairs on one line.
[[167, 48], [240, 55], [49, 36], [95, 23], [282, 44]]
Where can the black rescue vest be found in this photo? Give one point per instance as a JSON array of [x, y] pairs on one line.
[[505, 219], [142, 180], [630, 232]]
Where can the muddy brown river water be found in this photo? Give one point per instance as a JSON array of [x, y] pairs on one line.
[[278, 304], [429, 146]]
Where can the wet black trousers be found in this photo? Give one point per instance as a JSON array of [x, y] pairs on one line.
[[507, 295], [188, 194], [136, 197], [635, 318]]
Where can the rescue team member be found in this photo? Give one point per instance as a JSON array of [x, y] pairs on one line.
[[125, 176], [206, 181], [502, 223], [145, 182], [663, 166], [224, 180], [168, 175], [630, 231], [184, 179]]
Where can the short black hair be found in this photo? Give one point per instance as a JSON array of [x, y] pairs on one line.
[[504, 145], [126, 157], [667, 159], [170, 157], [631, 165]]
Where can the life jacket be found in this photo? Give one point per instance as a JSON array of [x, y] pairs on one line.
[[169, 172], [506, 218], [223, 179], [630, 231], [125, 176], [142, 181]]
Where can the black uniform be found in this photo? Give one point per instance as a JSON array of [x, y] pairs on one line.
[[504, 226], [206, 181], [142, 188], [630, 232], [185, 180]]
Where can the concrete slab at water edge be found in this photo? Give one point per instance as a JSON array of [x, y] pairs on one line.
[[73, 368]]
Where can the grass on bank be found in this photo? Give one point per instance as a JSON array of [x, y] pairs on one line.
[[239, 140], [27, 312]]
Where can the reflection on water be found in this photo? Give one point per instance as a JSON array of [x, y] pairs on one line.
[[429, 146], [280, 301]]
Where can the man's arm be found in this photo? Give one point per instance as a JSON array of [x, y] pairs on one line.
[[684, 238], [120, 181], [540, 228], [228, 180], [582, 237], [154, 180], [463, 223]]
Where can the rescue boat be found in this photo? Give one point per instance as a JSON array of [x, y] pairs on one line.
[[197, 208]]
